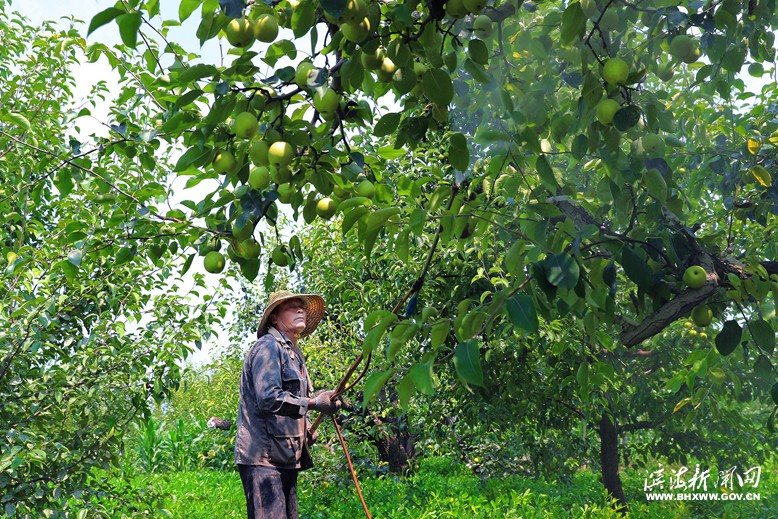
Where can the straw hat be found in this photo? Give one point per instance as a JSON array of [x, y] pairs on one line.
[[314, 310]]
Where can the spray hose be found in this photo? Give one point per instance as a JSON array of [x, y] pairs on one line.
[[344, 386]]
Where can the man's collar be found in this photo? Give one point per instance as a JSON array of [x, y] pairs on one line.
[[279, 335]]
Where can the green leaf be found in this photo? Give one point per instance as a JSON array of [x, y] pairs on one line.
[[636, 268], [124, 255], [729, 337], [70, 271], [196, 72], [561, 270], [422, 377], [734, 58], [405, 390], [458, 154], [221, 110], [75, 256], [763, 335], [522, 313], [187, 264], [193, 157], [438, 87], [582, 377], [490, 136], [580, 146], [763, 368], [387, 124], [102, 18], [352, 217], [573, 23], [438, 334], [303, 18], [377, 330], [401, 334], [379, 217], [278, 50], [390, 152], [373, 384], [546, 174], [478, 52], [186, 8], [209, 26], [467, 361], [17, 119], [128, 28], [63, 182]]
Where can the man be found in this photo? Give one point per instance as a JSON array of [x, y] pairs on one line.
[[272, 441]]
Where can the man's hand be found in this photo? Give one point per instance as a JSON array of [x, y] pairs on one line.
[[323, 402]]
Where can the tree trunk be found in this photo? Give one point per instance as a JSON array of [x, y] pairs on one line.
[[609, 460], [394, 443]]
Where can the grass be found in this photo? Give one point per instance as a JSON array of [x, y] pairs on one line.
[[441, 489]]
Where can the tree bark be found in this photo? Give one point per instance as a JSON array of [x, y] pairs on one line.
[[609, 461], [394, 443]]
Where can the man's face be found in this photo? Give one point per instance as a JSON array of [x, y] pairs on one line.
[[289, 316]]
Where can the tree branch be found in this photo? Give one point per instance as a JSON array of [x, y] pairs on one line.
[[636, 426], [681, 305]]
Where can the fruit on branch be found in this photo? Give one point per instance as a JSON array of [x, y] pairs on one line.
[[279, 256], [702, 315], [615, 71], [372, 60], [239, 32], [456, 8], [695, 276], [665, 71], [357, 31], [326, 102], [606, 109], [244, 232], [214, 262], [281, 175], [285, 193], [365, 188], [386, 70], [266, 28], [224, 162], [302, 73], [655, 184], [280, 154], [248, 249], [653, 145], [259, 177], [681, 47], [474, 6], [258, 152], [482, 27], [245, 125], [326, 208]]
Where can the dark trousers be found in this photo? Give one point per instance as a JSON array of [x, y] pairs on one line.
[[271, 493]]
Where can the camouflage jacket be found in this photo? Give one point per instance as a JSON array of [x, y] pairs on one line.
[[274, 392]]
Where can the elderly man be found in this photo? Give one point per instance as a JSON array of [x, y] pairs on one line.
[[272, 441]]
